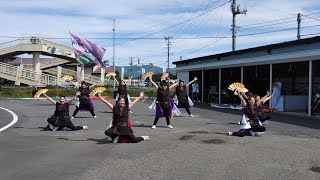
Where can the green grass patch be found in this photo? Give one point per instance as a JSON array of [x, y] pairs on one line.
[[27, 92]]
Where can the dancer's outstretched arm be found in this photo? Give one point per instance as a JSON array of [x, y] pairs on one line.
[[114, 78], [266, 97], [105, 101], [136, 100], [50, 99], [73, 97], [153, 83], [92, 86], [194, 79], [244, 95], [75, 84], [242, 99], [129, 81], [173, 85], [173, 80]]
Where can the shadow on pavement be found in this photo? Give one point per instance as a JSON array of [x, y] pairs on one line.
[[308, 122], [100, 141]]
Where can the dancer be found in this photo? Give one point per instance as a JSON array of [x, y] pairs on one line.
[[84, 98], [164, 103], [121, 125], [263, 116], [123, 91], [276, 93], [61, 118], [250, 110], [183, 98]]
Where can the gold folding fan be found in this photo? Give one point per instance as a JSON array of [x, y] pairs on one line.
[[66, 78], [98, 90], [40, 92], [244, 90], [147, 74], [237, 87], [111, 74], [164, 76]]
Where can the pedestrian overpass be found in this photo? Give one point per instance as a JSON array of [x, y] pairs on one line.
[[37, 46]]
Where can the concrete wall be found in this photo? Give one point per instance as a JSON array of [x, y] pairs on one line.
[[183, 76]]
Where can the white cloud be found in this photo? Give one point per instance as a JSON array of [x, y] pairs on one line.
[[95, 19]]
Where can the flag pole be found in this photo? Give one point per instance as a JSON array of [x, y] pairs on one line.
[[114, 70]]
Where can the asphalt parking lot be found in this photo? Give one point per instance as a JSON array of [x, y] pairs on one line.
[[197, 148]]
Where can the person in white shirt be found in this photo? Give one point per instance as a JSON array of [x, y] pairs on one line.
[[195, 91], [276, 93]]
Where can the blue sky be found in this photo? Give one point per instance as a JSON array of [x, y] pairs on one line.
[[186, 21]]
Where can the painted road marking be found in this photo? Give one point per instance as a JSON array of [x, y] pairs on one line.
[[15, 119]]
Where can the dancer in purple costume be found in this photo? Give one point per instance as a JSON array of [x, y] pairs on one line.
[[164, 103]]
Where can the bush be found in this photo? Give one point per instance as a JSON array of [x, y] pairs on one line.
[[27, 92]]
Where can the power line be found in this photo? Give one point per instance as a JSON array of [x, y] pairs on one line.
[[210, 43], [310, 34], [172, 26], [267, 25], [250, 34], [194, 12], [187, 28], [201, 23], [254, 24], [276, 10], [197, 9]]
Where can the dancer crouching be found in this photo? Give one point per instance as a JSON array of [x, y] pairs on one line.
[[61, 118], [250, 110], [121, 125], [164, 103]]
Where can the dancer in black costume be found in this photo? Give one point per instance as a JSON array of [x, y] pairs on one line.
[[183, 98], [251, 111], [61, 118], [121, 125], [84, 98]]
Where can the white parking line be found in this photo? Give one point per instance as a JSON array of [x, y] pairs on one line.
[[15, 119]]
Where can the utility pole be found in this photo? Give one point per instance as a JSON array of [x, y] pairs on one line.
[[138, 73], [151, 65], [235, 9], [131, 66], [299, 24], [168, 43], [114, 39]]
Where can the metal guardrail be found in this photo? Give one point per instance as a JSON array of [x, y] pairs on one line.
[[10, 44], [65, 50], [28, 75], [87, 77], [53, 61]]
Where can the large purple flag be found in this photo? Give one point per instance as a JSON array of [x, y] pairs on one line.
[[86, 51]]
